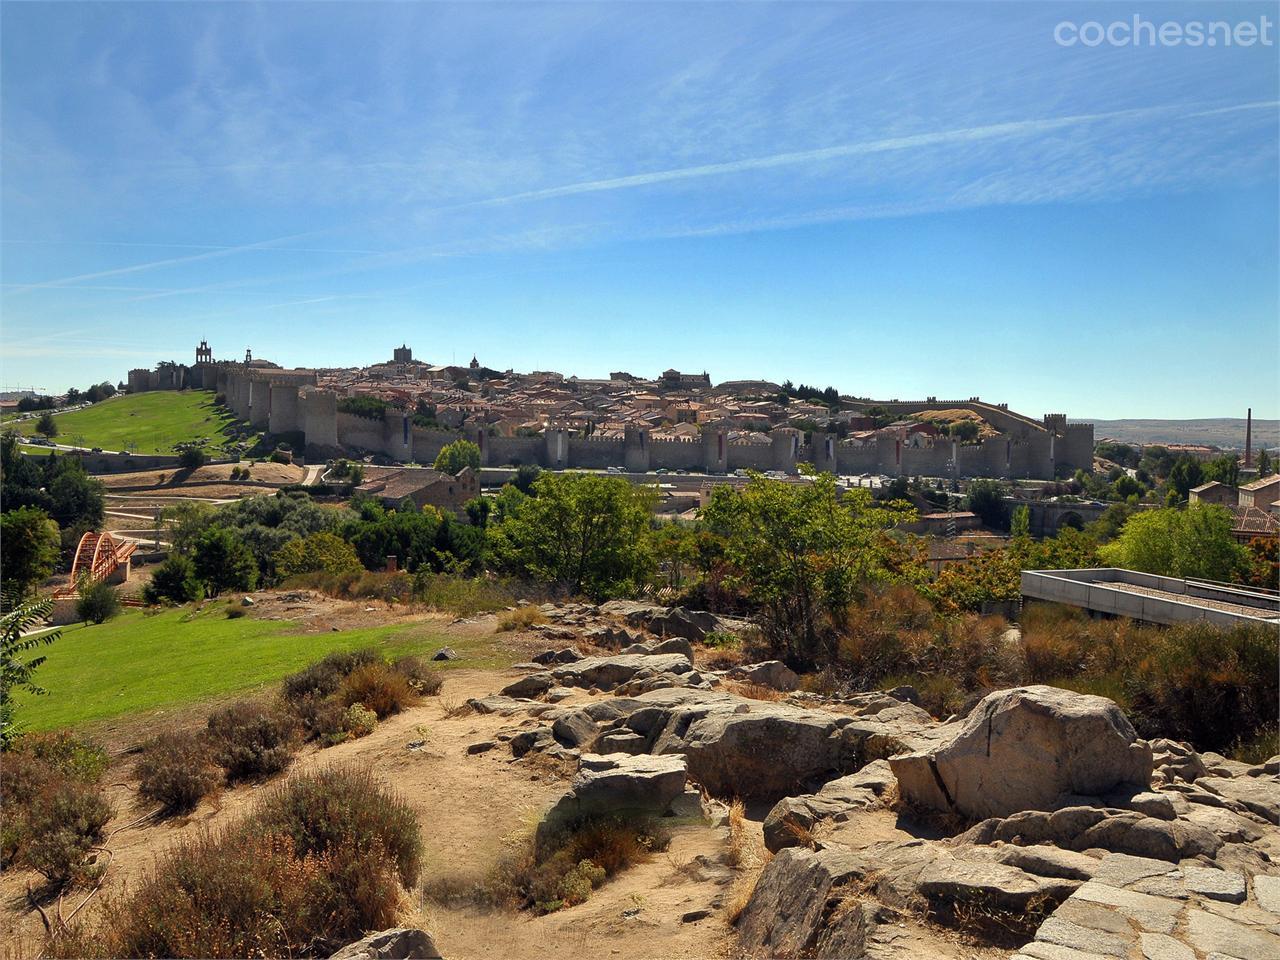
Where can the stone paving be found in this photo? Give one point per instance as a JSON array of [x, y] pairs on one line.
[[1134, 908]]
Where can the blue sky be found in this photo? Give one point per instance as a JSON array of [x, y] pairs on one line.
[[897, 199]]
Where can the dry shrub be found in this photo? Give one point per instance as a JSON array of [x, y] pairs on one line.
[[63, 823], [753, 691], [251, 740], [63, 750], [742, 850], [422, 678], [51, 818], [323, 678], [564, 871], [320, 862], [452, 710], [319, 810], [465, 596], [394, 587], [521, 618], [177, 771], [378, 688]]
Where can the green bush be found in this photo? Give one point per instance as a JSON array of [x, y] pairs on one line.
[[177, 771], [98, 603], [251, 741], [358, 721], [174, 581]]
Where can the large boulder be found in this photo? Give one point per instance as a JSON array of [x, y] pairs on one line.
[[1023, 748], [401, 943], [616, 785], [758, 750], [770, 673], [607, 672], [792, 817]]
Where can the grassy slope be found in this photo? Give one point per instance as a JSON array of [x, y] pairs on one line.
[[154, 421], [142, 660]]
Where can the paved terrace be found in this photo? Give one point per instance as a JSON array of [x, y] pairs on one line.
[[1144, 596]]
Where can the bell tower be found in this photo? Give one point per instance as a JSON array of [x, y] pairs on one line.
[[203, 353]]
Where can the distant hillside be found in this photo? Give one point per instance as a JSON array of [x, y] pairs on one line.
[[1226, 432]]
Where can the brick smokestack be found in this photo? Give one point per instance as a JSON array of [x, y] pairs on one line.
[[1248, 438]]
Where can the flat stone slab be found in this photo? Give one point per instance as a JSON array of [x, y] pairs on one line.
[[1154, 914], [1266, 890], [1158, 946], [1210, 933], [1215, 884]]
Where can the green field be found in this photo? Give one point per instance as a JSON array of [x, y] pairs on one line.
[[155, 421], [144, 660]]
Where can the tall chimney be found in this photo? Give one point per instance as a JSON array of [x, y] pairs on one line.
[[1248, 439]]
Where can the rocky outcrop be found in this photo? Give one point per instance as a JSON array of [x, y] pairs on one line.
[[793, 817], [1023, 748], [605, 673], [402, 943], [1133, 907], [1094, 828], [770, 673], [616, 785]]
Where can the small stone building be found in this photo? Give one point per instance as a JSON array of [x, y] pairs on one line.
[[425, 487]]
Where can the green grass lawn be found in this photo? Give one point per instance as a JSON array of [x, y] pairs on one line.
[[145, 660], [155, 421]]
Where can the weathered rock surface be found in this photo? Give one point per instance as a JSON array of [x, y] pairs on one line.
[[1135, 907], [770, 673], [616, 785], [1021, 749], [606, 673], [791, 817], [529, 686], [1258, 795], [402, 943], [1095, 828]]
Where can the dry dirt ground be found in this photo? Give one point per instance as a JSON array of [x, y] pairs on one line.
[[267, 472], [468, 807]]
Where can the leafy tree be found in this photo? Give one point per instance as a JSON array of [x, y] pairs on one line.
[[526, 474], [457, 455], [28, 404], [174, 580], [371, 408], [803, 553], [31, 548], [1224, 469], [46, 425], [1265, 466], [1020, 525], [15, 671], [583, 532], [986, 499], [77, 497], [192, 458], [1195, 542], [1185, 474], [318, 552], [996, 575], [675, 548], [478, 510], [966, 431], [224, 562], [97, 603], [73, 396]]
